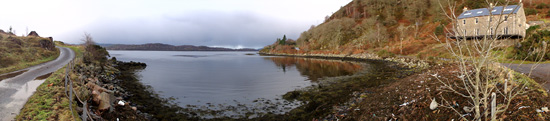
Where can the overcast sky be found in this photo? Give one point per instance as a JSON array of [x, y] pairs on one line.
[[226, 23]]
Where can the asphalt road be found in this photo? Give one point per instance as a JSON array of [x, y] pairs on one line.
[[540, 72], [15, 91]]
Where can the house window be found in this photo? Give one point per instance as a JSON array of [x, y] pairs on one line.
[[506, 30], [464, 32], [505, 18], [464, 21], [477, 31], [477, 21], [491, 31]]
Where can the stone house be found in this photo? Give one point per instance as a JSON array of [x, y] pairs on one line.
[[482, 22]]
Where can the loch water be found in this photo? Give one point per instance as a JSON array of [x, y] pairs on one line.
[[204, 78]]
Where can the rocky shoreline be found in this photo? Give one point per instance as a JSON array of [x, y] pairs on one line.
[[331, 99], [101, 91], [408, 62], [147, 102], [149, 105], [115, 93], [339, 92]]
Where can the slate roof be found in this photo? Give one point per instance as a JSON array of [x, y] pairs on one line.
[[510, 9]]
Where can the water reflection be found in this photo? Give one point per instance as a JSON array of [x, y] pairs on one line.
[[314, 69], [232, 81]]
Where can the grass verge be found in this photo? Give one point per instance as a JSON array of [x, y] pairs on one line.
[[23, 65], [77, 49], [49, 101]]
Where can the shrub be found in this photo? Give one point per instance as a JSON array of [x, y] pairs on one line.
[[439, 30], [548, 13], [531, 48], [94, 53], [532, 29], [373, 34], [541, 6], [385, 53], [530, 11], [329, 35]]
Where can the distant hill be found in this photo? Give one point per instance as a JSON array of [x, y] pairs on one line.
[[167, 47], [104, 44]]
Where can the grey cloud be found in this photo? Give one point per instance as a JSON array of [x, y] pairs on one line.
[[210, 28]]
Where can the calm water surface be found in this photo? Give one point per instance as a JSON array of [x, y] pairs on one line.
[[198, 78]]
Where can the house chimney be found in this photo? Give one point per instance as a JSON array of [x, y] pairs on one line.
[[465, 9], [521, 3]]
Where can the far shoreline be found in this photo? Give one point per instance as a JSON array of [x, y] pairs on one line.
[[191, 50]]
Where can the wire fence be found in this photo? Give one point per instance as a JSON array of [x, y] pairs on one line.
[[69, 92]]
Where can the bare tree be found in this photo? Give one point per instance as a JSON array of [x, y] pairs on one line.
[[479, 72], [87, 39], [402, 29], [94, 53]]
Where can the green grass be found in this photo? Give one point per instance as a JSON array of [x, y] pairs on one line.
[[23, 65], [48, 102], [18, 52], [521, 78], [503, 56], [77, 49]]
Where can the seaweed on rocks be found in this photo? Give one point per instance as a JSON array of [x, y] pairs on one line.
[[331, 94], [315, 102], [144, 98]]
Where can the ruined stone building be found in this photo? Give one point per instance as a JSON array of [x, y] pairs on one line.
[[482, 22]]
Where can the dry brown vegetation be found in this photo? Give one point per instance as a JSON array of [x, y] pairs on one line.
[[397, 26], [409, 99], [18, 52], [418, 27]]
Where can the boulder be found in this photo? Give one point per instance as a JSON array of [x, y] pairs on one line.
[[47, 44], [96, 96], [105, 101], [33, 34], [96, 92], [95, 87]]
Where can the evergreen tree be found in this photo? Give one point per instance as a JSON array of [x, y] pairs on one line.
[[11, 30]]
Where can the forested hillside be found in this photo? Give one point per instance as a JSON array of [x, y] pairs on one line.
[[396, 26]]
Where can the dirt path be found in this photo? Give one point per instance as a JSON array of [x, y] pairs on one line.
[[15, 91], [540, 73]]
